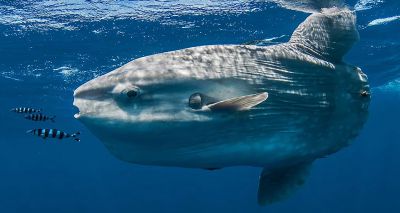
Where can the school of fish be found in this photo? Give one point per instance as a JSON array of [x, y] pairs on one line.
[[36, 115]]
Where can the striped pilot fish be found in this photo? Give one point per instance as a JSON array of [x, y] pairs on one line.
[[54, 133], [40, 117], [25, 110]]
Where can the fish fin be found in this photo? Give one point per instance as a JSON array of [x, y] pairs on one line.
[[53, 119], [328, 35], [277, 184], [239, 103]]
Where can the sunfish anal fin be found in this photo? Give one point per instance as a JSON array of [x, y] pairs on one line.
[[238, 103], [277, 184]]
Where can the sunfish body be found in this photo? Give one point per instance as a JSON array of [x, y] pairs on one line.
[[278, 107]]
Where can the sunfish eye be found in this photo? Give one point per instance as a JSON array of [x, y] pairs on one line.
[[132, 94], [124, 92]]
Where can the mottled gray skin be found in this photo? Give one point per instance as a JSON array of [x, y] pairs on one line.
[[315, 105]]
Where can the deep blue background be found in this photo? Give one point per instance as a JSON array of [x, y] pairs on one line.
[[83, 177]]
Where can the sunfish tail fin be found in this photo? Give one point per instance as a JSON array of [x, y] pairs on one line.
[[52, 119], [277, 184], [328, 35]]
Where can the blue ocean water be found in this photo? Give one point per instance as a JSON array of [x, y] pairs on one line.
[[48, 48]]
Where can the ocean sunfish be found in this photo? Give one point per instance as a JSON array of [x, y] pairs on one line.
[[278, 107]]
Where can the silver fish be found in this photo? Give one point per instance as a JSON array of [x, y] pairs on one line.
[[278, 107]]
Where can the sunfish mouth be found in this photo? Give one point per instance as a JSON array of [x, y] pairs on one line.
[[89, 96], [81, 107], [77, 112]]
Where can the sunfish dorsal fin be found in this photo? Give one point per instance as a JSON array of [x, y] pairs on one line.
[[277, 184], [238, 103], [328, 35]]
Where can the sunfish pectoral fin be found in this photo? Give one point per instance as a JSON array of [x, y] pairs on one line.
[[238, 103], [277, 184]]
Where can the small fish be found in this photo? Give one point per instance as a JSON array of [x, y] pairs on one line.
[[39, 117], [25, 110], [54, 133]]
